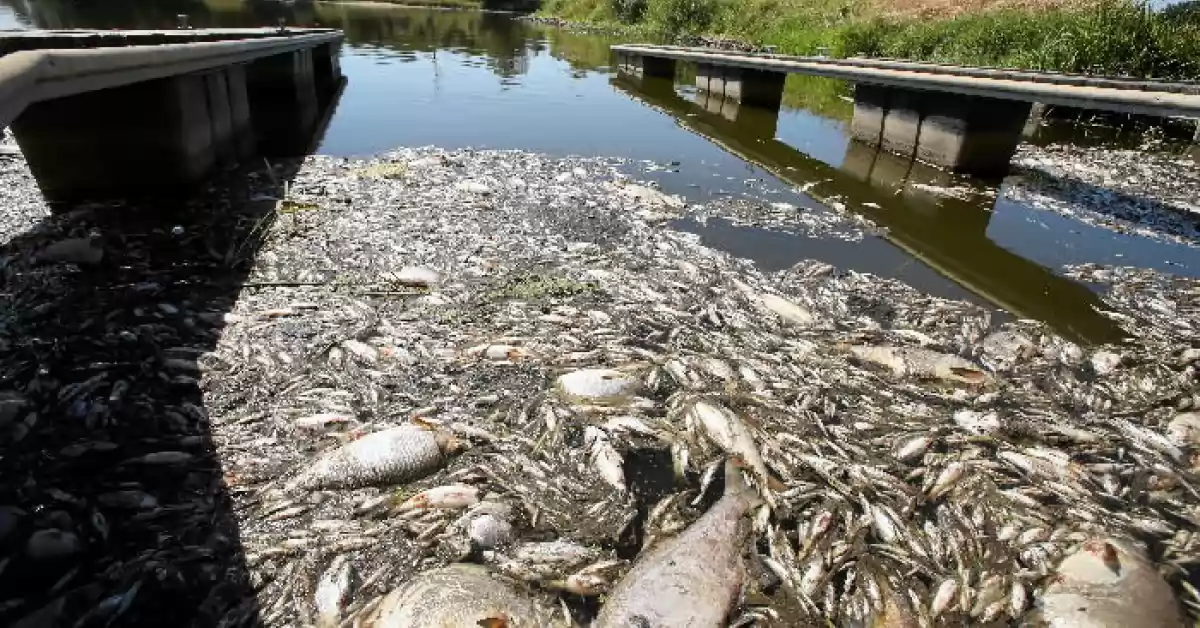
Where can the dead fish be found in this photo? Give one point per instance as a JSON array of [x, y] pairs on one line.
[[450, 496], [333, 592], [787, 310], [922, 363], [461, 596], [598, 385], [693, 579], [1107, 583], [391, 456], [605, 458], [731, 434]]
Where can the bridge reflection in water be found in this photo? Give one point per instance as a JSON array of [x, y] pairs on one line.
[[948, 234]]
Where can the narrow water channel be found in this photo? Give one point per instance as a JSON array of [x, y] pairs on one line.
[[467, 79]]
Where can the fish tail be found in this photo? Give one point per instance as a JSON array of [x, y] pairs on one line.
[[735, 483]]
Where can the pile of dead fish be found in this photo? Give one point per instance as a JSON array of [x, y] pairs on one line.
[[490, 389], [1147, 193]]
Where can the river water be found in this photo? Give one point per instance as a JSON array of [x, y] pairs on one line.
[[468, 79]]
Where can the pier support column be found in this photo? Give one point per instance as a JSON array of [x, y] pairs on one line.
[[757, 88], [969, 134], [283, 102], [641, 65], [220, 113], [327, 68], [150, 136], [239, 112]]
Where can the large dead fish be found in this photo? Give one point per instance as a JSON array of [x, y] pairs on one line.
[[1106, 584], [391, 456], [732, 435], [922, 363], [461, 596], [694, 579]]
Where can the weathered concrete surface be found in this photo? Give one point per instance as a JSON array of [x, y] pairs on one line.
[[97, 144], [1154, 98], [283, 102], [971, 134], [138, 118], [32, 76], [749, 87], [962, 133]]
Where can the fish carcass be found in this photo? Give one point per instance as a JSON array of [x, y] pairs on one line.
[[694, 579]]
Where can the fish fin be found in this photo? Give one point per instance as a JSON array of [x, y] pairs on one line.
[[498, 620], [971, 375], [735, 483]]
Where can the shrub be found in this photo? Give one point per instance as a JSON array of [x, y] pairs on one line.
[[629, 11], [677, 17]]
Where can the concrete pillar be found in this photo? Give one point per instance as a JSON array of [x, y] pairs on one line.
[[759, 88], [641, 65], [654, 66], [970, 133], [239, 111], [1037, 113], [704, 73], [327, 68], [283, 102], [217, 89], [146, 137], [902, 123], [965, 133], [756, 88], [711, 78]]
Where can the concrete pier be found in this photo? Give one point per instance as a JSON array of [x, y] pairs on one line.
[[757, 88], [961, 118], [970, 134], [642, 65], [327, 68], [124, 120], [283, 101], [147, 136]]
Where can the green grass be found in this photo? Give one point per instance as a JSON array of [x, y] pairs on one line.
[[1112, 37]]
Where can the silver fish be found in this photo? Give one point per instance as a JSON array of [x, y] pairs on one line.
[[461, 595], [693, 579], [391, 456], [1107, 583], [333, 592], [922, 363]]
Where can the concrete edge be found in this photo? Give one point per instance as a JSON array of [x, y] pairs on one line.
[[30, 76], [1153, 103]]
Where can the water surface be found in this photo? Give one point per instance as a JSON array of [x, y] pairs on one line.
[[468, 79]]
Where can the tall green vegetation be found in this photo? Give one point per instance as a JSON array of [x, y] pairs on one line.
[[1114, 37]]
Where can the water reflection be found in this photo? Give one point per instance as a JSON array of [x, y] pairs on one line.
[[948, 234], [468, 79]]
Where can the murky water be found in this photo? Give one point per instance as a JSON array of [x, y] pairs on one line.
[[457, 79]]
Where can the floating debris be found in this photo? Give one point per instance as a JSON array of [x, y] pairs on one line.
[[260, 421]]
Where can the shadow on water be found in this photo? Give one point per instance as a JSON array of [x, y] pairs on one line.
[[114, 506], [947, 234]]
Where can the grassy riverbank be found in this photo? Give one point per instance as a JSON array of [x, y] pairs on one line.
[[1114, 37]]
